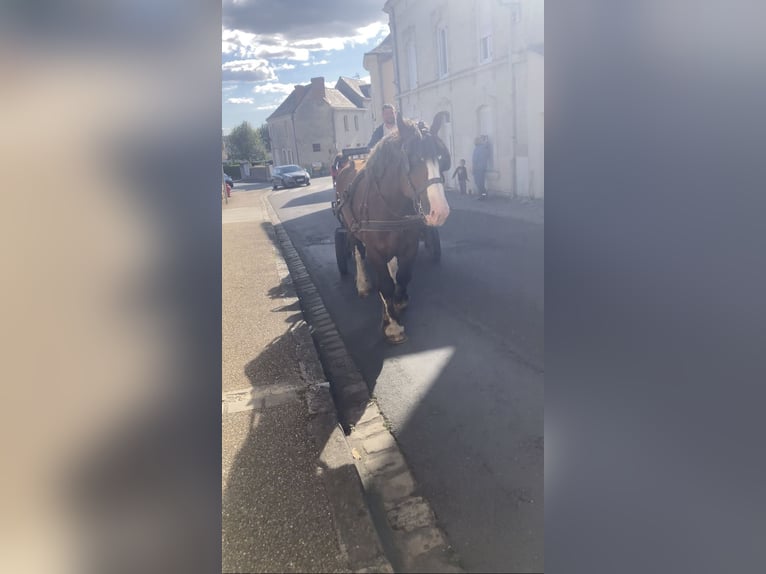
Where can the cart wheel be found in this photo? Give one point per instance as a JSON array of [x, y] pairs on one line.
[[341, 250], [433, 244]]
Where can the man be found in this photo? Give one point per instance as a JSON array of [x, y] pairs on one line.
[[388, 126], [480, 165]]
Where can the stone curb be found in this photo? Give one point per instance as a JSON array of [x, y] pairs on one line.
[[405, 521], [353, 523]]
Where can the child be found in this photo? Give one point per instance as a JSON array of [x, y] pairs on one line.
[[462, 176]]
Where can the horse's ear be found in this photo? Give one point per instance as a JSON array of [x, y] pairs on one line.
[[439, 119], [400, 124]]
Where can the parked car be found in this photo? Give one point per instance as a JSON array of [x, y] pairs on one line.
[[227, 179], [289, 176]]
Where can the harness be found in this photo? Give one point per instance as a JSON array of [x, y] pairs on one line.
[[402, 221]]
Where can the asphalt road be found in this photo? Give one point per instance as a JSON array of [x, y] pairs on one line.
[[464, 394]]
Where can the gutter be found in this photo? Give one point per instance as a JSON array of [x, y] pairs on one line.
[[389, 9]]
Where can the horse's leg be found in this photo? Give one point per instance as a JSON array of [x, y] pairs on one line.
[[362, 282], [405, 263], [392, 327]]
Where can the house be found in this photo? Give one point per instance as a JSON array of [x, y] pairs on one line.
[[379, 62], [315, 122], [482, 61]]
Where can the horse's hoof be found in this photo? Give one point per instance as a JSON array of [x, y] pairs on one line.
[[397, 340]]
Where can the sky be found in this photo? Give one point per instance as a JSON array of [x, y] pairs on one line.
[[268, 46]]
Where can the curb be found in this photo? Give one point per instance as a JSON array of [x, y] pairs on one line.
[[405, 522], [354, 525]]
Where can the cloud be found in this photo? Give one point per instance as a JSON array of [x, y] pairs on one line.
[[274, 88], [284, 67], [269, 107], [253, 70], [319, 63], [300, 19], [240, 101]]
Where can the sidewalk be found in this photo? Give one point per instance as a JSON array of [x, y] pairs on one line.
[[292, 498], [530, 210]]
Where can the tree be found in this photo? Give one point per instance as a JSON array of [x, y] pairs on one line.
[[263, 131], [245, 144]]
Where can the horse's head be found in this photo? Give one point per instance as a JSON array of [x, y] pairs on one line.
[[425, 158]]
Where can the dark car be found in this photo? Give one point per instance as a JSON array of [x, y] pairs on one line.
[[228, 180], [289, 176]]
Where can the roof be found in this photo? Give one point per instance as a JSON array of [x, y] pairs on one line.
[[291, 102], [385, 47], [354, 90], [337, 100]]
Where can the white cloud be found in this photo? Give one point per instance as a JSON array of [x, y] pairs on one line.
[[252, 70], [319, 63], [269, 107], [284, 67], [240, 101], [247, 45], [274, 88]]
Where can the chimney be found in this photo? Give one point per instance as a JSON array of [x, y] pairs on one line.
[[317, 87]]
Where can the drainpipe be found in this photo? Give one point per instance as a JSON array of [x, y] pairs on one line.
[[295, 140], [392, 25], [514, 5]]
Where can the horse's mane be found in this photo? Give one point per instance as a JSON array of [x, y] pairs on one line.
[[388, 151]]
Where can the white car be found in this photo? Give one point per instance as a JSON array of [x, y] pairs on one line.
[[289, 176]]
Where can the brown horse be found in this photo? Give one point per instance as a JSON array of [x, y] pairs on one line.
[[384, 206]]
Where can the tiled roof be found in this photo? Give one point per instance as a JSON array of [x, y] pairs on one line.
[[353, 89], [291, 102], [337, 100], [385, 47]]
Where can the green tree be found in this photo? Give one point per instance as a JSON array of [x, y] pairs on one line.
[[245, 144], [263, 131]]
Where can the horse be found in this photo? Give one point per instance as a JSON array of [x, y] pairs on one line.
[[384, 206]]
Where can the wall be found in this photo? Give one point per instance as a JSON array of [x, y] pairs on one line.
[[352, 137], [281, 134], [479, 95]]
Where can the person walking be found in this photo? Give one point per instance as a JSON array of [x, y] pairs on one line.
[[462, 176], [480, 164], [388, 126]]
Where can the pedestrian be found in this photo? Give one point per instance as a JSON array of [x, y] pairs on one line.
[[480, 165], [337, 165], [462, 176], [387, 127]]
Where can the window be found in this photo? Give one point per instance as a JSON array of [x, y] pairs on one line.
[[315, 147], [485, 49], [412, 65], [345, 123], [484, 29], [441, 51], [356, 123]]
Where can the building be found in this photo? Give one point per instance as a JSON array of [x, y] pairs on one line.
[[316, 122], [379, 62], [482, 61]]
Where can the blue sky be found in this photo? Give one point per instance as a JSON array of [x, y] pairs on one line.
[[269, 46]]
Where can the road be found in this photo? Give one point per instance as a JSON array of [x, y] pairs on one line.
[[464, 395]]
